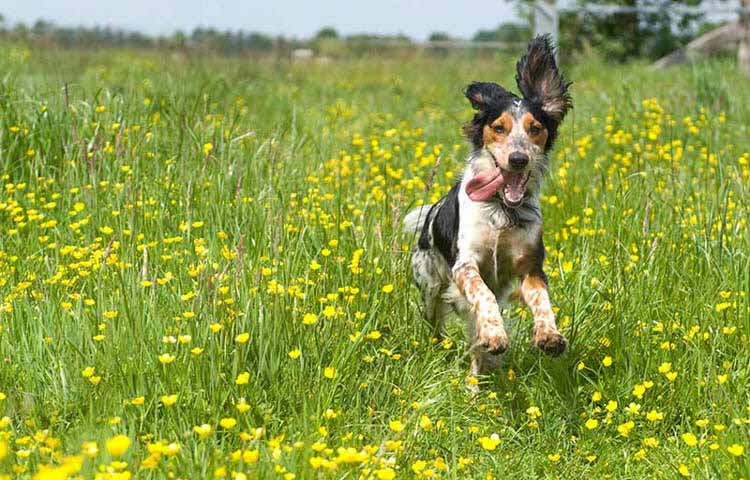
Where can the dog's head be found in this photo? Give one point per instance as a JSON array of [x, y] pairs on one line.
[[517, 132]]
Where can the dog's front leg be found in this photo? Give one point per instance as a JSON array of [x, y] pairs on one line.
[[546, 336], [489, 332]]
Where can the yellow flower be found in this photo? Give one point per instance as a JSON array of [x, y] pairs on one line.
[[172, 449], [553, 457], [639, 390], [118, 445], [425, 422], [168, 400], [166, 358], [203, 431], [592, 423], [295, 354], [207, 147], [242, 338], [736, 449], [329, 372], [242, 405], [242, 378], [654, 416], [720, 307], [90, 449], [490, 443], [624, 428], [533, 412], [683, 469], [651, 442], [228, 423], [607, 361], [385, 474], [309, 319], [396, 425], [246, 456], [689, 439], [374, 335], [388, 288]]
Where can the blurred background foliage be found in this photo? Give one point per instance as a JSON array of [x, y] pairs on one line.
[[615, 36]]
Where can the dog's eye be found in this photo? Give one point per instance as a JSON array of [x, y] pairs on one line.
[[535, 130], [499, 129]]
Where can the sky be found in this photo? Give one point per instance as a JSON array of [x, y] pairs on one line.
[[291, 18]]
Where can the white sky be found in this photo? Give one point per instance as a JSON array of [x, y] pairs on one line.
[[292, 18]]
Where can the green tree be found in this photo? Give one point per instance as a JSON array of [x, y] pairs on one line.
[[650, 29], [505, 32]]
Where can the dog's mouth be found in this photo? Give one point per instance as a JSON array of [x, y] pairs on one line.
[[486, 184], [515, 187]]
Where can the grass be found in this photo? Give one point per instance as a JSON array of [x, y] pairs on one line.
[[157, 207]]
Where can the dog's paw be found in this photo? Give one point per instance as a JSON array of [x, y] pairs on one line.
[[550, 342], [493, 339]]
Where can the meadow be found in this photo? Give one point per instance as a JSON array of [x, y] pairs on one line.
[[202, 274]]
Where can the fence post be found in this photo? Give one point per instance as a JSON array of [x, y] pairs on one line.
[[546, 20], [743, 53]]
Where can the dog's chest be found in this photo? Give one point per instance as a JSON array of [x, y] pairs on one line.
[[503, 249]]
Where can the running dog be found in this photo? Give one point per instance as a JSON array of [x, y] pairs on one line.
[[487, 231]]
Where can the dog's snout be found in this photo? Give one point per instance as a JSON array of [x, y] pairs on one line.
[[518, 160]]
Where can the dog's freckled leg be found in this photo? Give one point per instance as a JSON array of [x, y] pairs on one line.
[[546, 336], [489, 330]]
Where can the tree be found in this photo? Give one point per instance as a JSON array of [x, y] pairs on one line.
[[743, 54], [505, 32], [644, 28], [327, 33], [439, 37]]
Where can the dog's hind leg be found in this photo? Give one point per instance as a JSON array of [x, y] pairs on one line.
[[429, 275], [434, 310]]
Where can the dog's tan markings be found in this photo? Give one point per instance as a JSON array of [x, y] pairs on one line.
[[490, 332], [490, 135], [536, 131], [546, 336]]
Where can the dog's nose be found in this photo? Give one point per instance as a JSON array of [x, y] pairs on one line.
[[518, 160]]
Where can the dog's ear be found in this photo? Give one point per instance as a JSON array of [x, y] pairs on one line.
[[539, 80], [483, 95]]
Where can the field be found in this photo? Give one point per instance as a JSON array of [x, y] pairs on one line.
[[202, 274]]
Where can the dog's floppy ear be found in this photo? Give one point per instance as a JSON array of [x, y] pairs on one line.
[[484, 95], [539, 80]]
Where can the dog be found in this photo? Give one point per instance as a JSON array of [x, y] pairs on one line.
[[486, 231]]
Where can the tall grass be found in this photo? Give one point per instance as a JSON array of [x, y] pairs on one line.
[[157, 204]]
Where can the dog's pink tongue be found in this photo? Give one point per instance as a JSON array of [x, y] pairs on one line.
[[484, 185], [514, 187]]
